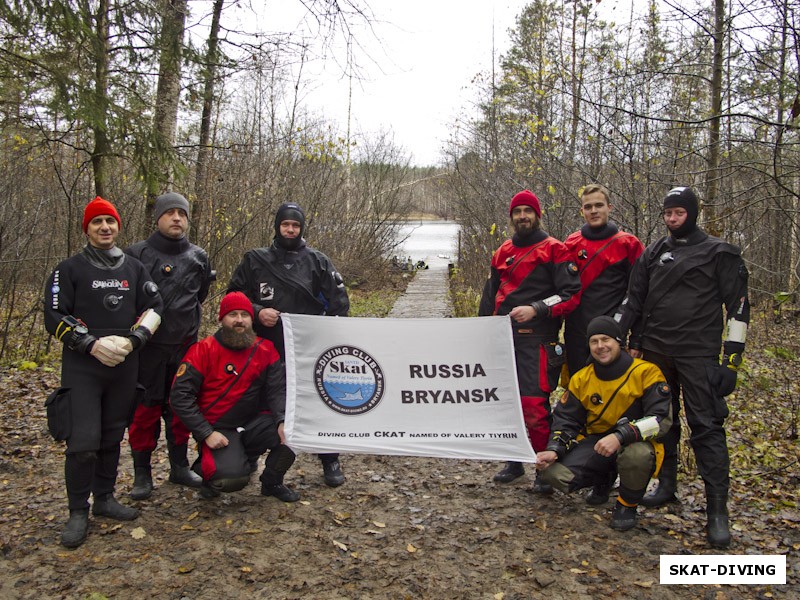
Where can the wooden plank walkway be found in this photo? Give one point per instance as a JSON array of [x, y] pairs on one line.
[[427, 296]]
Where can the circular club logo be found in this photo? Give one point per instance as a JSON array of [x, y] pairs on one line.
[[348, 380]]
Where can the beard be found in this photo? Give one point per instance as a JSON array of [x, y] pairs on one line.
[[236, 340], [523, 228]]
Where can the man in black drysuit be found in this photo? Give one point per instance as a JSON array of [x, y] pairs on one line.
[[91, 304], [291, 277], [674, 311]]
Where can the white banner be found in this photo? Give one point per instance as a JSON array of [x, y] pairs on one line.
[[414, 387]]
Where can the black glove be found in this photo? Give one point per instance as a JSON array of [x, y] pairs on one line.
[[723, 380]]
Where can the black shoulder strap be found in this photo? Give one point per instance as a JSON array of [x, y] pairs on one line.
[[235, 379]]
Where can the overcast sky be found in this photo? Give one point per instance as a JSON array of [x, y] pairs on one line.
[[416, 65]]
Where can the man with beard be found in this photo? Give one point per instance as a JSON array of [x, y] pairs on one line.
[[102, 305], [609, 420], [533, 281], [230, 392], [183, 275], [674, 311], [291, 277], [605, 257]]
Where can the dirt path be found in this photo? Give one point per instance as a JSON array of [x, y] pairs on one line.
[[400, 528]]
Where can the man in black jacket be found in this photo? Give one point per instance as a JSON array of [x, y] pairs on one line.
[[291, 277], [674, 311], [183, 275]]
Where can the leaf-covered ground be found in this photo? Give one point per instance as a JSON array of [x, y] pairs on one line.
[[400, 527]]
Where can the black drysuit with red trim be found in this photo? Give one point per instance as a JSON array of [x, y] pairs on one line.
[[107, 297], [533, 270], [239, 393], [183, 275], [674, 311], [605, 257]]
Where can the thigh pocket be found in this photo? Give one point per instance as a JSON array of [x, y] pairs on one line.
[[556, 358], [59, 413]]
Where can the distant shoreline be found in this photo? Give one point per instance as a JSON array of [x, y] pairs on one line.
[[418, 216]]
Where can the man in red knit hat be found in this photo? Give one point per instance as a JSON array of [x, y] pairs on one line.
[[230, 392], [102, 305], [532, 280]]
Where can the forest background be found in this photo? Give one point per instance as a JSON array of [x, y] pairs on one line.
[[128, 99]]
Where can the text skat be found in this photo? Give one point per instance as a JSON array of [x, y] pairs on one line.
[[449, 396], [445, 371]]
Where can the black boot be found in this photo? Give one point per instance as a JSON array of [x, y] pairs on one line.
[[107, 506], [75, 530], [717, 531], [624, 517], [280, 491], [601, 491], [667, 485], [179, 471], [510, 472], [142, 476], [540, 487], [332, 472]]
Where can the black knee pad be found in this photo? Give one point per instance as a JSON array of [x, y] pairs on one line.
[[229, 484]]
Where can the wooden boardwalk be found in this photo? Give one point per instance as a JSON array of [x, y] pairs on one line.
[[427, 296]]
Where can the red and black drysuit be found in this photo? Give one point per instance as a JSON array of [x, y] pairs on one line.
[[183, 274], [674, 311], [605, 257], [301, 281], [533, 270], [107, 291], [241, 394]]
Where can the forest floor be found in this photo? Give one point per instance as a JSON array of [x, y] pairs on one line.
[[399, 528]]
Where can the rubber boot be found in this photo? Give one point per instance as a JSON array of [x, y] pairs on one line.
[[107, 506], [624, 517], [510, 472], [74, 533], [142, 476], [278, 461], [667, 485], [717, 532], [179, 471], [332, 472]]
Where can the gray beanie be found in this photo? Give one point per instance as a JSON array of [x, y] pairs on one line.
[[169, 201]]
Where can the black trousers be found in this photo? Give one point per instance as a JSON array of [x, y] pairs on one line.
[[102, 400], [706, 411]]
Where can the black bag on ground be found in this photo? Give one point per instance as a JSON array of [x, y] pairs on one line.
[[59, 413]]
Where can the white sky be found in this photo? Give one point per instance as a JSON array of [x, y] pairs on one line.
[[417, 64]]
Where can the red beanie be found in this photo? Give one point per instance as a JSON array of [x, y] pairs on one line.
[[235, 301], [98, 207], [526, 198]]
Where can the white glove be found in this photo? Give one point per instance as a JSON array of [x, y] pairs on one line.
[[124, 344], [106, 351]]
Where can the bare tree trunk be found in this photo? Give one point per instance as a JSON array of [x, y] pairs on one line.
[[713, 225], [165, 120], [102, 146], [204, 150]]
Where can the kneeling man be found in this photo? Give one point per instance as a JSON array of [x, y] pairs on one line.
[[609, 421], [230, 392]]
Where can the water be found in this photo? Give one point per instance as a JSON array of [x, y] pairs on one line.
[[434, 242]]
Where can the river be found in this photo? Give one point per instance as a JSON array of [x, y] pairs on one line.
[[434, 242]]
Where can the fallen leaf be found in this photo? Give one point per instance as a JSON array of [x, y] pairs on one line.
[[411, 548], [193, 515], [577, 571], [253, 531], [305, 502], [246, 570], [499, 596], [138, 533], [186, 569], [340, 546], [644, 584], [378, 524]]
